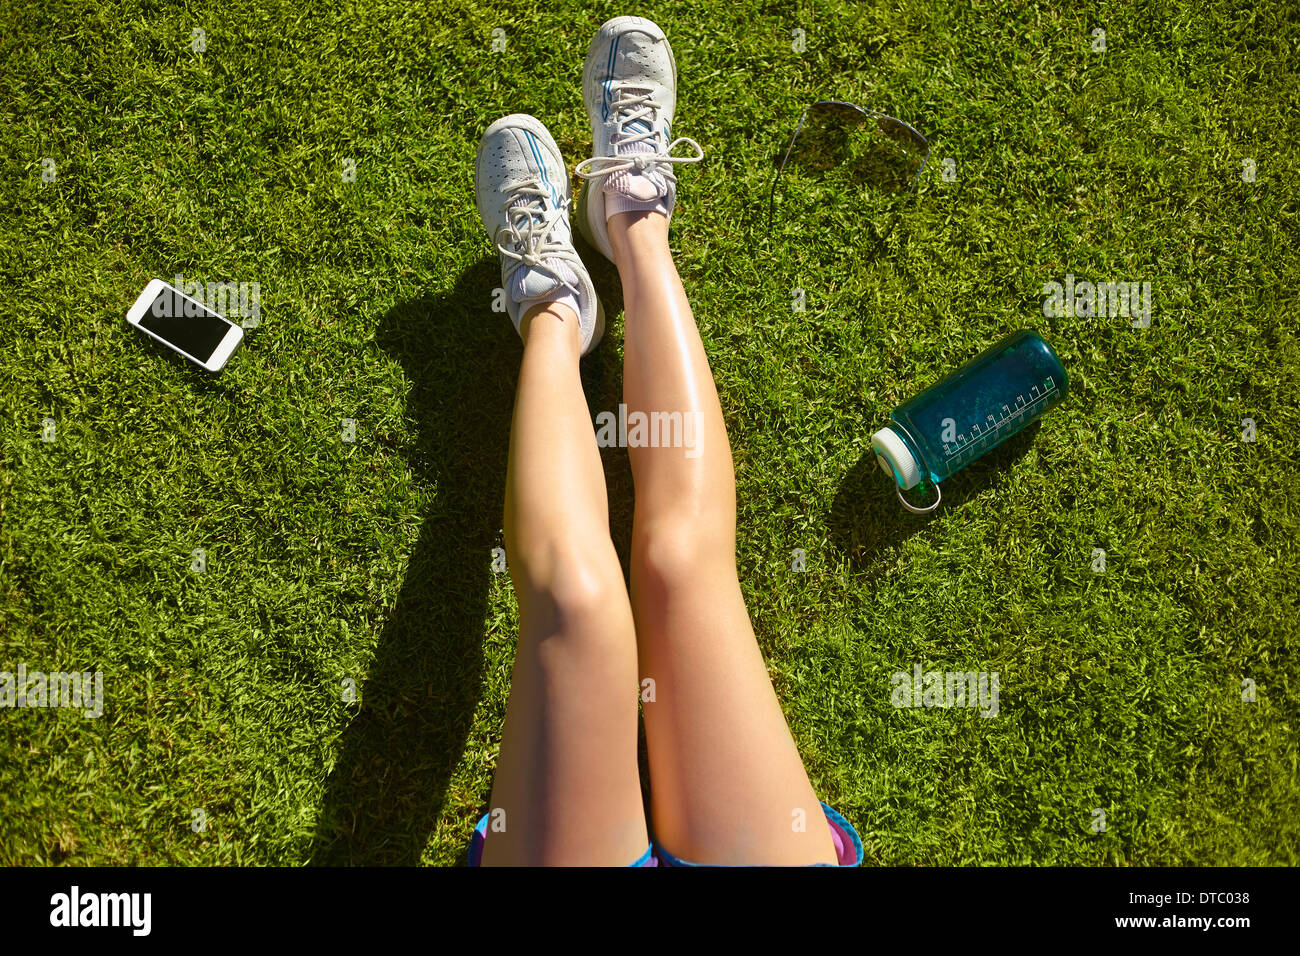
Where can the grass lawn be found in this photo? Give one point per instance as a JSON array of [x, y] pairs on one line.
[[227, 735]]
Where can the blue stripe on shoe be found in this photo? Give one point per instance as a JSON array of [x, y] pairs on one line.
[[532, 148], [537, 155], [609, 69]]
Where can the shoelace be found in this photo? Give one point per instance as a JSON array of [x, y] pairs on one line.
[[528, 226], [631, 104]]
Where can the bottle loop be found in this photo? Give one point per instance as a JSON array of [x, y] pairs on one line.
[[938, 492], [898, 490]]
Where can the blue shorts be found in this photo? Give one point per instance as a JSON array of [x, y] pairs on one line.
[[848, 845]]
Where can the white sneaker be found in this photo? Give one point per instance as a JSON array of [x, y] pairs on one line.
[[629, 86], [522, 188]]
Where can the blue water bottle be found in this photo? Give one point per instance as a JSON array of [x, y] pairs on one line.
[[968, 413]]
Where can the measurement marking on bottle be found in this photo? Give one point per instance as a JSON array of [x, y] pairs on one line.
[[976, 435]]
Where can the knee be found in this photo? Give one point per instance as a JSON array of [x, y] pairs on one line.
[[569, 583], [669, 555]]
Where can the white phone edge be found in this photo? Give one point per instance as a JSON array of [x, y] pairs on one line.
[[220, 355]]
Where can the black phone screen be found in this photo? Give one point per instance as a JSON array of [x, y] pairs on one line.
[[184, 323]]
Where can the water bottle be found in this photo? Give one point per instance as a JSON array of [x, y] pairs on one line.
[[971, 411]]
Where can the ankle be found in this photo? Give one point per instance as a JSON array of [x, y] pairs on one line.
[[638, 235], [555, 324]]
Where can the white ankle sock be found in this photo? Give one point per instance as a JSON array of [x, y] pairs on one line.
[[565, 298], [644, 189], [617, 202]]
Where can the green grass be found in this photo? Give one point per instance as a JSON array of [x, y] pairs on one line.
[[372, 561]]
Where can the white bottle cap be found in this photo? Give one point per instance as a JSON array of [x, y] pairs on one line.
[[895, 459]]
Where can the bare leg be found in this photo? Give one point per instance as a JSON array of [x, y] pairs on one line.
[[567, 777], [727, 783]]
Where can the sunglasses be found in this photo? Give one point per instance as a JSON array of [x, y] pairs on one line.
[[895, 130]]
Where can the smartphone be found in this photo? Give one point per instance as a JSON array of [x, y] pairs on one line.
[[185, 325]]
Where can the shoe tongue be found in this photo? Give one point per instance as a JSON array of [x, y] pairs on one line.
[[640, 184], [643, 185], [533, 282]]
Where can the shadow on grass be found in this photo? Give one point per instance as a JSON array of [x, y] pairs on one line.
[[847, 148], [384, 796], [209, 383], [858, 147], [868, 523], [386, 792]]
